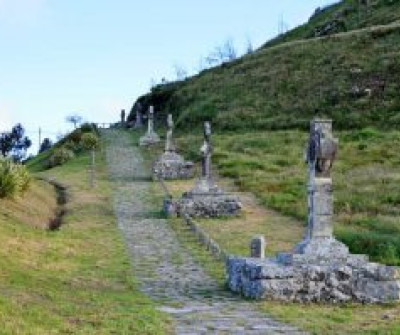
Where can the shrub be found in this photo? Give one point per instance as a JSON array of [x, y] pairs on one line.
[[89, 127], [14, 179], [61, 156], [89, 141]]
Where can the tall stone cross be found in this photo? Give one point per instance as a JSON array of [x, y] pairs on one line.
[[321, 153], [206, 151], [169, 143], [138, 122], [150, 123]]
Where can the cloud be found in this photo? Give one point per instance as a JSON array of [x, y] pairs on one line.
[[20, 12]]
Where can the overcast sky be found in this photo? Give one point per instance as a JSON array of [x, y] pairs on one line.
[[95, 57]]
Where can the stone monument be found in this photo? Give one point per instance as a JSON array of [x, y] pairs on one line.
[[138, 120], [123, 115], [319, 268], [206, 199], [171, 165], [151, 136]]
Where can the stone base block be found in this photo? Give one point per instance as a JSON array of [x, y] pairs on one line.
[[352, 280], [149, 139], [170, 166], [209, 205]]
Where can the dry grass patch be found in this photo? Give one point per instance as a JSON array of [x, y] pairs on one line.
[[36, 207]]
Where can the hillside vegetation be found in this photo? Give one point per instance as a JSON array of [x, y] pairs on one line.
[[351, 77], [74, 280]]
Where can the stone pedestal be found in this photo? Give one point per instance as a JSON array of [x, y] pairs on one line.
[[208, 200], [149, 139], [170, 166]]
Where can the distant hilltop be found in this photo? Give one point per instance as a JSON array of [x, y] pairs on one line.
[[343, 63]]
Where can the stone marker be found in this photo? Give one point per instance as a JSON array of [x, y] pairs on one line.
[[206, 199], [151, 136], [257, 247], [320, 268], [123, 115], [171, 165], [138, 120], [169, 142]]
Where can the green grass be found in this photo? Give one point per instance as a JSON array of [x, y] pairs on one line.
[[352, 16], [77, 279], [366, 179], [283, 86]]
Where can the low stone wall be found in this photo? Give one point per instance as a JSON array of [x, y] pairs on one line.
[[205, 239], [169, 208]]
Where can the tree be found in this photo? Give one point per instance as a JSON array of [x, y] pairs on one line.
[[14, 144], [223, 53], [249, 46], [180, 72], [45, 145], [74, 119]]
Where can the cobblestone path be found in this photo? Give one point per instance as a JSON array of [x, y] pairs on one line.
[[165, 270]]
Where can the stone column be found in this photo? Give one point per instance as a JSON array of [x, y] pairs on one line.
[[123, 117], [138, 121], [206, 151], [150, 124], [321, 154], [169, 143]]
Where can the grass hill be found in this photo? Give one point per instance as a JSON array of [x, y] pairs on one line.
[[351, 77]]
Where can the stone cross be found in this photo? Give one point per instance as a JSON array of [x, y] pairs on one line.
[[169, 143], [257, 247], [206, 151], [321, 153], [150, 123], [138, 122], [123, 116]]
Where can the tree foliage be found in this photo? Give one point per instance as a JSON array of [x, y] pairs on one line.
[[14, 144], [45, 145], [75, 119]]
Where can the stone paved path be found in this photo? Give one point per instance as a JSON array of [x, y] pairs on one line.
[[165, 270]]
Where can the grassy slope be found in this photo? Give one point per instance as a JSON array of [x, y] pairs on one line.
[[36, 208], [286, 84], [349, 12], [75, 280]]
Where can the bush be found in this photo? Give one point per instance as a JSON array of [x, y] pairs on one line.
[[61, 156], [14, 179], [89, 141]]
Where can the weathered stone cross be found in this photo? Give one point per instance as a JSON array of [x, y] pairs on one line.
[[321, 153], [206, 151], [169, 143]]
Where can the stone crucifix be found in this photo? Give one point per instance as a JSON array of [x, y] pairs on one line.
[[169, 143], [138, 121], [321, 153], [150, 123], [206, 151]]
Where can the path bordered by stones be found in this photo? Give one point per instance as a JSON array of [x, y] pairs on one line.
[[165, 270]]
